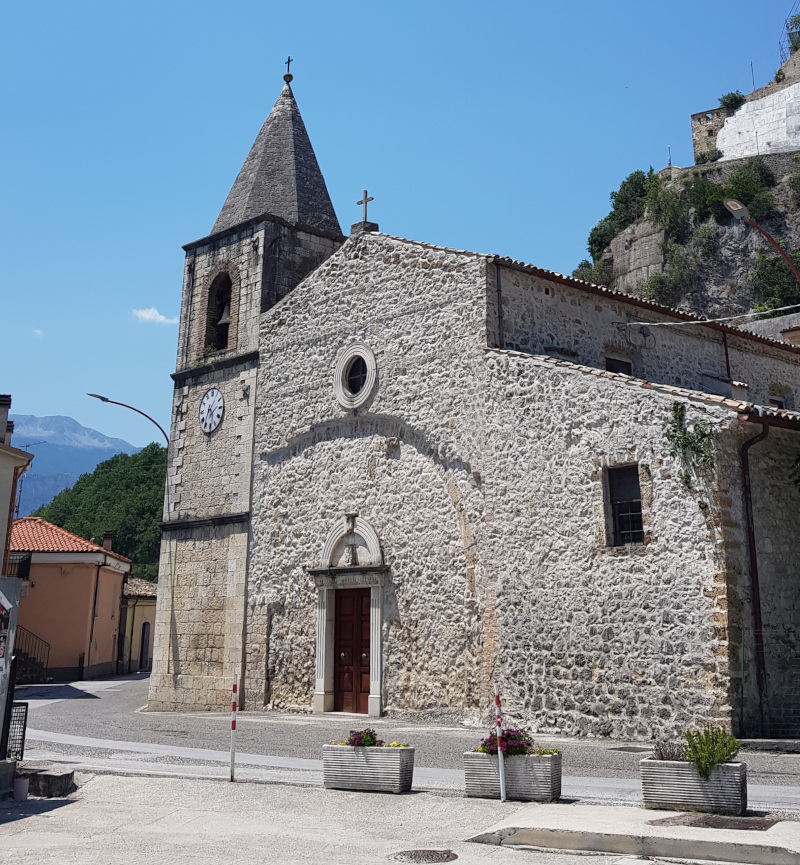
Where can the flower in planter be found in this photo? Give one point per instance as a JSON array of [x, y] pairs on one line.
[[368, 739], [365, 739], [513, 743]]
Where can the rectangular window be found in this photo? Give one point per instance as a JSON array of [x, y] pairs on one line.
[[777, 403], [626, 505], [614, 364]]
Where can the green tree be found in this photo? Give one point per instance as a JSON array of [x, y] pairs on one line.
[[731, 101], [628, 204], [124, 495], [774, 282], [750, 184]]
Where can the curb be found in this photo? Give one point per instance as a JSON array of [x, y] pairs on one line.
[[639, 845]]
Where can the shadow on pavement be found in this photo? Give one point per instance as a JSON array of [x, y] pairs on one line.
[[32, 693], [10, 810]]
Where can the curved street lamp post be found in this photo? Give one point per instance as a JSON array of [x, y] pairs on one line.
[[124, 405], [740, 212]]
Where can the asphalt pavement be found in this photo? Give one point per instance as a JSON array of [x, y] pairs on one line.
[[105, 723], [152, 821], [153, 787]]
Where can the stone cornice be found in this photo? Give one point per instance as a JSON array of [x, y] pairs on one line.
[[205, 522], [196, 371]]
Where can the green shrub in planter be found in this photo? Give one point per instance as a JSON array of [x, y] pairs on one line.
[[710, 747]]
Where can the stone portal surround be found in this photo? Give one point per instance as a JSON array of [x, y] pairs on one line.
[[356, 575]]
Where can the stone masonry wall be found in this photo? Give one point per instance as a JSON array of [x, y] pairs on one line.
[[410, 450], [265, 260], [776, 510], [637, 253], [544, 317], [209, 474], [198, 635], [596, 639], [199, 618], [484, 475], [767, 125], [705, 127], [240, 256]]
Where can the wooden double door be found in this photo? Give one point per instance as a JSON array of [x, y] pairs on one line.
[[351, 648]]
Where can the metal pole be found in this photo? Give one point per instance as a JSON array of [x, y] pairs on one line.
[[499, 732], [774, 242], [132, 408], [233, 730]]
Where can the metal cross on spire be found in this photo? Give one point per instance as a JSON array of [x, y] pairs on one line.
[[365, 201], [288, 77], [289, 61]]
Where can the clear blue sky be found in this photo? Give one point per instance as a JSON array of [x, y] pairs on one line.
[[499, 128]]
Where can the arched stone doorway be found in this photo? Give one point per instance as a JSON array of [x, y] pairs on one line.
[[350, 581], [144, 647]]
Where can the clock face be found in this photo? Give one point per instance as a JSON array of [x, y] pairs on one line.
[[211, 408]]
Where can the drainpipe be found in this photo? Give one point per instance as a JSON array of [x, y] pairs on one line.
[[755, 589], [500, 339], [94, 610], [133, 634], [727, 355]]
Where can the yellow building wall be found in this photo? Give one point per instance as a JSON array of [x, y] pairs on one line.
[[140, 611], [58, 609]]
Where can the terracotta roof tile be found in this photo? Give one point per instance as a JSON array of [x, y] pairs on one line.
[[35, 535], [136, 588]]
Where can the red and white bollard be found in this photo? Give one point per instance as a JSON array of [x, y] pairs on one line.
[[233, 729], [499, 733]]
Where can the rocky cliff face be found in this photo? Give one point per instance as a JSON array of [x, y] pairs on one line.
[[711, 271]]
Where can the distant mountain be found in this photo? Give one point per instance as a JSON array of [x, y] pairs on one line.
[[69, 450]]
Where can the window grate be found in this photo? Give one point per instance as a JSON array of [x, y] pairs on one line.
[[628, 523], [625, 498]]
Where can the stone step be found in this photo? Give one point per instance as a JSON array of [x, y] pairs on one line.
[[48, 781]]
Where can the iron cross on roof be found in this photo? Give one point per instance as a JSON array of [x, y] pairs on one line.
[[365, 201], [289, 61]]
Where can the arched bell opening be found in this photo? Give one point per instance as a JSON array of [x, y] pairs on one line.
[[218, 321]]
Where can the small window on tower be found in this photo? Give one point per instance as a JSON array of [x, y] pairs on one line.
[[219, 315], [626, 506]]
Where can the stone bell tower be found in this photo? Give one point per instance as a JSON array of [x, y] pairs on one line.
[[275, 227]]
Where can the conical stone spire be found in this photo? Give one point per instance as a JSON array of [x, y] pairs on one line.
[[281, 175]]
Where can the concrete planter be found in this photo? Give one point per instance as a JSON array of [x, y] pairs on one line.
[[529, 778], [677, 786], [384, 770]]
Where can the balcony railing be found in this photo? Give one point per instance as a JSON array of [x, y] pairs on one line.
[[19, 565]]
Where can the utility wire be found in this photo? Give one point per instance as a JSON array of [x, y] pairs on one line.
[[708, 320]]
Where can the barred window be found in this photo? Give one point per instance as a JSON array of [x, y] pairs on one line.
[[626, 505]]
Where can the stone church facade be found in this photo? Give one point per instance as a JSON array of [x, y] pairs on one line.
[[400, 473]]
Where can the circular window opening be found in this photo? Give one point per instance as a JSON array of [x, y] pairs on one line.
[[356, 374]]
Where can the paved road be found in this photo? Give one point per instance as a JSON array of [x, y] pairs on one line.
[[103, 726], [152, 821]]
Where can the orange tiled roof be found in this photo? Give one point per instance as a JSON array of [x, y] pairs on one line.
[[35, 535]]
